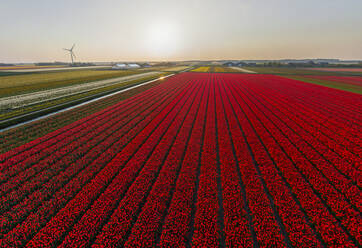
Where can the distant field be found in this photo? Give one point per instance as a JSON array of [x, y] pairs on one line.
[[198, 160], [344, 80], [299, 71], [22, 67], [175, 68], [25, 83], [201, 69], [216, 69], [225, 69], [351, 83], [354, 80], [18, 136], [337, 69], [18, 108], [243, 70]]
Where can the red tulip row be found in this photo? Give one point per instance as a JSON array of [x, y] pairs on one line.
[[131, 205], [331, 96], [339, 172], [236, 209], [205, 160], [267, 139], [322, 104], [59, 143], [145, 232], [66, 154], [339, 106], [324, 135], [341, 79], [347, 214], [176, 228], [94, 154], [319, 122], [333, 198], [282, 204], [37, 127], [110, 184], [68, 131], [52, 140], [52, 137], [39, 165], [207, 232], [19, 136], [339, 128], [266, 228], [71, 171]]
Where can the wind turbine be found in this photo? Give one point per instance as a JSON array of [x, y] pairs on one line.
[[71, 52]]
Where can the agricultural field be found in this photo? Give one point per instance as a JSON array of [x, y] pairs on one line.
[[337, 69], [347, 83], [175, 68], [25, 133], [348, 80], [303, 71], [222, 69], [196, 160], [24, 67], [21, 83], [19, 108], [225, 69], [240, 69], [202, 69]]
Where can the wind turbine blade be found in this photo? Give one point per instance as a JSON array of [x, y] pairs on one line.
[[72, 46], [65, 49], [74, 55]]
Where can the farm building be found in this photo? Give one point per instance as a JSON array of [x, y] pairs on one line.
[[123, 66], [133, 66], [119, 67]]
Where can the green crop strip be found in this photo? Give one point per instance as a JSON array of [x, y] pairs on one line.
[[331, 84]]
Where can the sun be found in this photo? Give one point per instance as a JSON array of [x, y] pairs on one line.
[[162, 39]]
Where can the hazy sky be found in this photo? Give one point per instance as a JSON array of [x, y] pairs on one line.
[[110, 30]]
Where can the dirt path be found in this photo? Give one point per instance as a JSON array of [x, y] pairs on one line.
[[243, 70]]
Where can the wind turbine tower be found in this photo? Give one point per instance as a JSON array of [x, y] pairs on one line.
[[72, 55]]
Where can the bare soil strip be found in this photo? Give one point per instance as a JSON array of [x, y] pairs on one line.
[[243, 70]]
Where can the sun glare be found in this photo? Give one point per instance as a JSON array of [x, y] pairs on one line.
[[162, 39]]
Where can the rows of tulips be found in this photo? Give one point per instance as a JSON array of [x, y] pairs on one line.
[[339, 171], [293, 228], [254, 164], [94, 159], [52, 136], [343, 210], [69, 130], [104, 140], [38, 163], [129, 207], [237, 219], [320, 94], [53, 141], [206, 231], [16, 137], [338, 130], [201, 160], [275, 148], [335, 105], [323, 134], [150, 218], [176, 228], [81, 145], [104, 189], [340, 79]]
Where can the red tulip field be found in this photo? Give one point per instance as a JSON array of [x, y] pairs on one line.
[[200, 160]]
